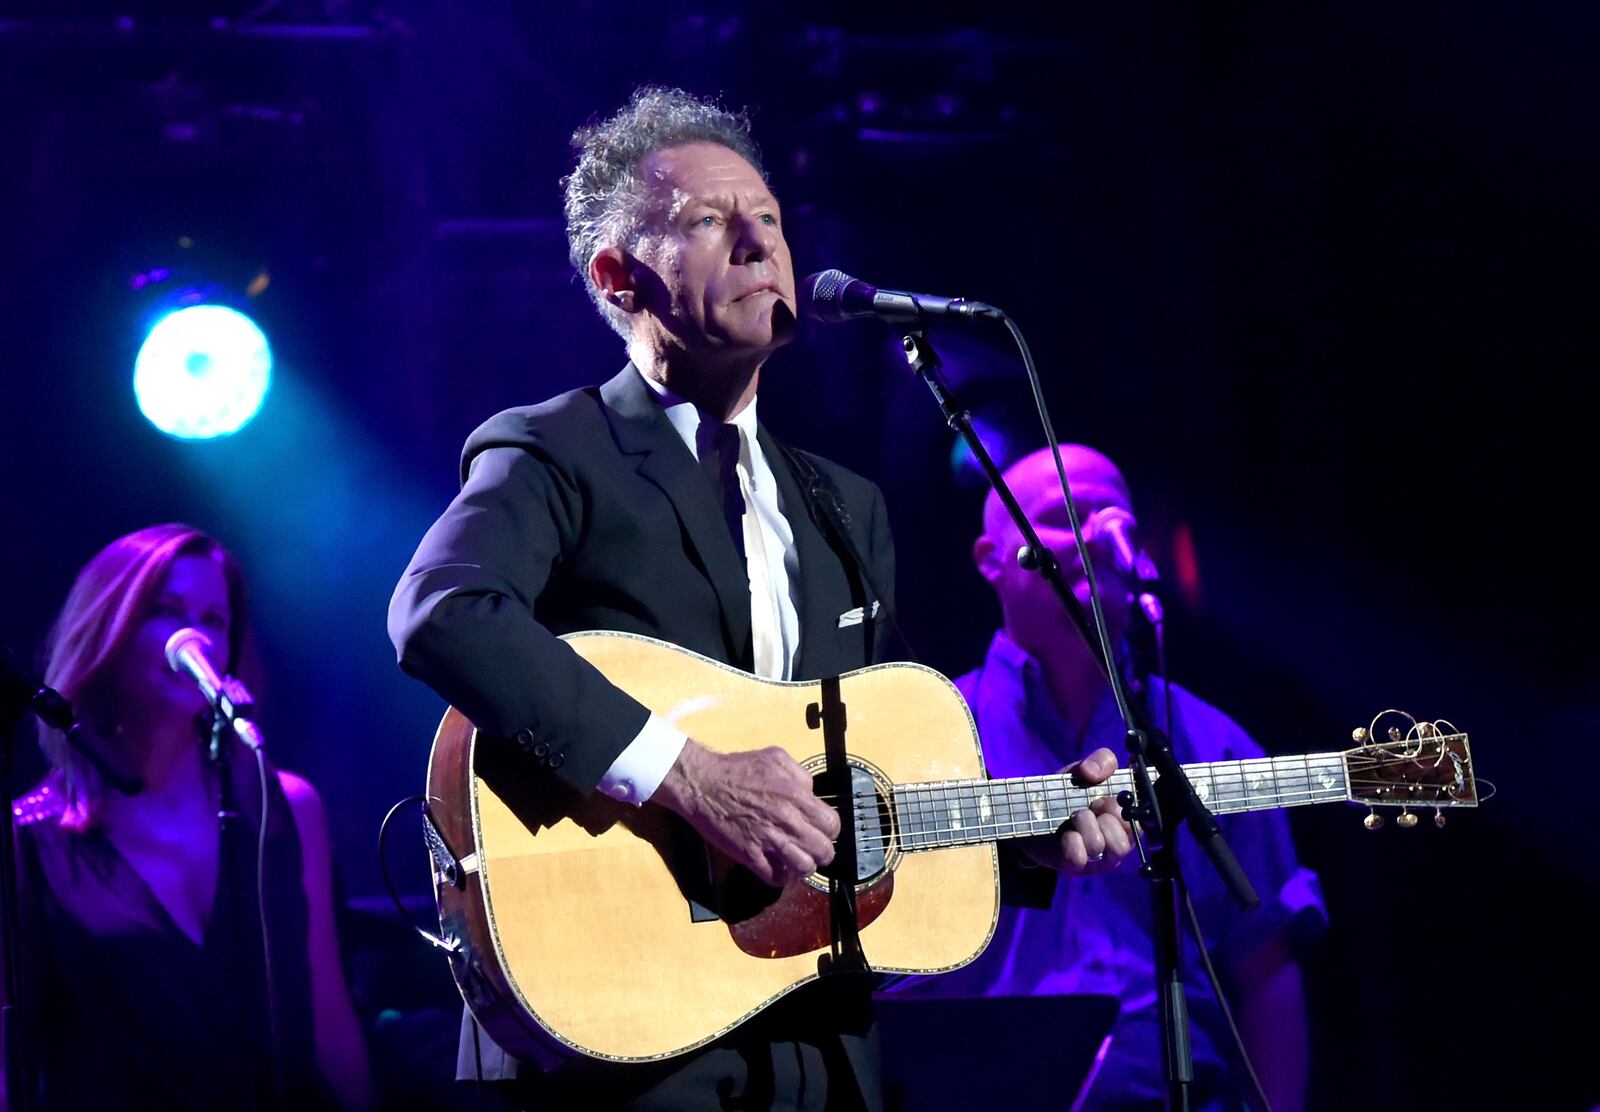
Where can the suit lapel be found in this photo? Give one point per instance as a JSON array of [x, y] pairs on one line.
[[817, 606], [642, 429]]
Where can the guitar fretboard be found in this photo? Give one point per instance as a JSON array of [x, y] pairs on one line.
[[937, 814]]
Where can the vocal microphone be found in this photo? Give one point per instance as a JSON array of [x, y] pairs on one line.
[[1117, 524], [832, 296], [186, 653]]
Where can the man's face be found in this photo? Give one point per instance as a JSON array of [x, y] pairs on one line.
[[714, 239], [1031, 609]]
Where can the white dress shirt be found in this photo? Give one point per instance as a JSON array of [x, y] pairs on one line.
[[639, 769]]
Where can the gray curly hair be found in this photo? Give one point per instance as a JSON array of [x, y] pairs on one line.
[[603, 200]]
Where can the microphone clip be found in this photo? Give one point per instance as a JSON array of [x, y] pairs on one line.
[[234, 699], [233, 706]]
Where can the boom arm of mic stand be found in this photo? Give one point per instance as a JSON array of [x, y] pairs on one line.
[[1037, 558], [1182, 802]]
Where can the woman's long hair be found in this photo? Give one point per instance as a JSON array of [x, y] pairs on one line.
[[111, 596]]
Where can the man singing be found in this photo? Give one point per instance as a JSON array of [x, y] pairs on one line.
[[657, 504]]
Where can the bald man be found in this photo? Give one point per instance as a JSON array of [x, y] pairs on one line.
[[1040, 704]]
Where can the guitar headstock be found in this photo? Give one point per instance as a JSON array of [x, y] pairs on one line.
[[1427, 765]]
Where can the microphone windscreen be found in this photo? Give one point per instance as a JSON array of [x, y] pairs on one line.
[[183, 639], [822, 296], [1116, 525]]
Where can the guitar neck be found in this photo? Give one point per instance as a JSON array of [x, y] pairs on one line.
[[937, 814]]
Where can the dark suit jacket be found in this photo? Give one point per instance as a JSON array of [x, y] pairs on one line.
[[589, 512]]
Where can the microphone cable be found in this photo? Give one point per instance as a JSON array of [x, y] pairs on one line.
[[261, 916], [1108, 654], [1119, 687]]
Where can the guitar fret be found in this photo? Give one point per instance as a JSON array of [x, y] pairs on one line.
[[972, 813], [1028, 806], [1257, 775], [984, 826], [958, 814], [1056, 804], [912, 818], [1007, 808], [1006, 811], [925, 804], [1039, 812], [939, 826]]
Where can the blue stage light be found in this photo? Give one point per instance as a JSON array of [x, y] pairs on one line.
[[202, 372]]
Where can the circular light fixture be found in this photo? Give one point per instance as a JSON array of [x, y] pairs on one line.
[[202, 372]]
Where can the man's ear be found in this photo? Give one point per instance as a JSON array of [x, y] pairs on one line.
[[611, 271], [986, 555]]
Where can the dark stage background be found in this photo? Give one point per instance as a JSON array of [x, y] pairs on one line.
[[1321, 279]]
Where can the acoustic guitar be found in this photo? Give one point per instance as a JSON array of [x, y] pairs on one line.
[[615, 932]]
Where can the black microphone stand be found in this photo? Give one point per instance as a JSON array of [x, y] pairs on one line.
[[1160, 808], [233, 895], [1161, 868]]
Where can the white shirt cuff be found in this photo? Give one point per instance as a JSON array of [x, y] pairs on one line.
[[639, 769]]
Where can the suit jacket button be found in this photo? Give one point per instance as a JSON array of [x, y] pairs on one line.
[[556, 760], [541, 749], [524, 738]]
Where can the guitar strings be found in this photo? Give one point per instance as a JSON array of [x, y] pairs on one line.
[[912, 831], [930, 790], [929, 808]]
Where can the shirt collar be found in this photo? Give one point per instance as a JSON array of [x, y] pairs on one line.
[[687, 418], [1014, 686]]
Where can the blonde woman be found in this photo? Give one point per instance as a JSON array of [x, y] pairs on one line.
[[146, 986]]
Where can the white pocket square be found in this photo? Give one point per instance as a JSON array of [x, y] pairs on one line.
[[853, 617]]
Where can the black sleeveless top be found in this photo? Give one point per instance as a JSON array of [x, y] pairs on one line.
[[125, 1010]]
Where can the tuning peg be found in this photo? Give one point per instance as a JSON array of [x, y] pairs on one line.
[[1406, 820], [1438, 817], [1373, 821], [1359, 735]]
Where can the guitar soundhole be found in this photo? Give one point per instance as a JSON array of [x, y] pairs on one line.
[[874, 829], [801, 921]]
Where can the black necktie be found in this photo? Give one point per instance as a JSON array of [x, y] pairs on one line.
[[719, 458], [720, 450]]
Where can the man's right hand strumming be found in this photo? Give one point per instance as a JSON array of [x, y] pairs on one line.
[[757, 807]]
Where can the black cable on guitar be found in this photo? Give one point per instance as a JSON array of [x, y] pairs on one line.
[[427, 936], [394, 894]]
